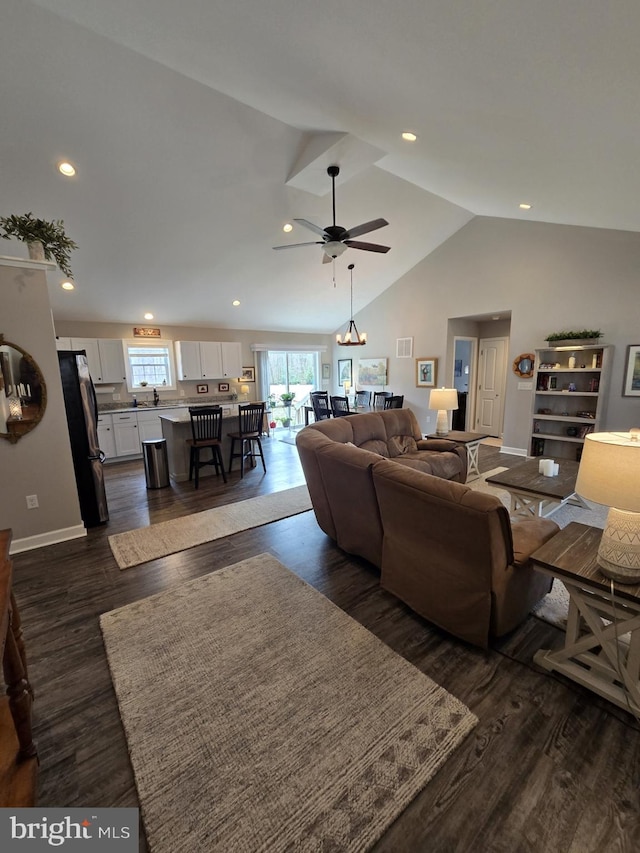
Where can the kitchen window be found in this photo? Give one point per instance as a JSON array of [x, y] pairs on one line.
[[150, 364]]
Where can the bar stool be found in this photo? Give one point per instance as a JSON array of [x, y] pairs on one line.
[[206, 429], [250, 417]]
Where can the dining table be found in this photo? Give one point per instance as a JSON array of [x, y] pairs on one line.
[[356, 410]]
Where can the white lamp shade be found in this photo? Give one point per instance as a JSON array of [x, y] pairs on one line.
[[244, 389], [334, 249], [443, 398], [609, 470]]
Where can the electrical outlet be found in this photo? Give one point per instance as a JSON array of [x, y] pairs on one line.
[[181, 393], [32, 502], [116, 397]]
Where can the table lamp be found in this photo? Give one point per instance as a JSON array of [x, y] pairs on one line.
[[444, 400], [244, 389], [346, 385], [609, 474]]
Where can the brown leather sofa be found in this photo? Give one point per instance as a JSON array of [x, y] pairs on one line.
[[449, 552], [337, 456]]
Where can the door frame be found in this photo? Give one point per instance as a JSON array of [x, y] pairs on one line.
[[470, 417]]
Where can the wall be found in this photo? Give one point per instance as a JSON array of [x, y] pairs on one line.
[[279, 340], [549, 277], [40, 462]]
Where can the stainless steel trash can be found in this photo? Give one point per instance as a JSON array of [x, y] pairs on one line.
[[156, 464]]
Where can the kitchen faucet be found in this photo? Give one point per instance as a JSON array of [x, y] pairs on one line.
[[156, 399]]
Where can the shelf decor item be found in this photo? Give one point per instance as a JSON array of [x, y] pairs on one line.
[[632, 372], [45, 240], [576, 338]]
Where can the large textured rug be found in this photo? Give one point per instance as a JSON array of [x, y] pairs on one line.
[[259, 716], [169, 537], [554, 607]]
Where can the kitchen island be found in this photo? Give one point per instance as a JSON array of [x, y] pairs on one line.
[[176, 428]]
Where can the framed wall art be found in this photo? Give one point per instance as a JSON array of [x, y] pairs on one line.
[[632, 372], [202, 389], [372, 372], [344, 371], [426, 372], [223, 386], [248, 374], [326, 371]]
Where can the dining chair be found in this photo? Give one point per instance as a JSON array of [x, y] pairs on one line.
[[320, 405], [379, 397], [340, 406], [250, 417], [206, 432], [363, 398], [394, 402]]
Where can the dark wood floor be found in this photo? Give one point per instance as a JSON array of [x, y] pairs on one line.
[[550, 767]]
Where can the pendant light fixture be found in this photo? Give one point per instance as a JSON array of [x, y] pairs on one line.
[[352, 337]]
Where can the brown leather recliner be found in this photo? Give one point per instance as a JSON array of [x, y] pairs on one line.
[[454, 556]]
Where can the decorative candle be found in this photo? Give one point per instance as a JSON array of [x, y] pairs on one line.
[[15, 408]]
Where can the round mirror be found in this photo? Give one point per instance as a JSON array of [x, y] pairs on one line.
[[523, 364], [23, 393]]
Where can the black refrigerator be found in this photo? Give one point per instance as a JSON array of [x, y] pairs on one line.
[[82, 416]]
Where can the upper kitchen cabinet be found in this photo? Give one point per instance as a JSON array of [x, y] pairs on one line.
[[104, 356], [208, 359]]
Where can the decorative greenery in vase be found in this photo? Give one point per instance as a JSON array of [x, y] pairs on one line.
[[288, 397], [55, 243]]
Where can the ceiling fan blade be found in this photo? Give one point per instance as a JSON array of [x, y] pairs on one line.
[[315, 228], [365, 228], [295, 245], [368, 247]]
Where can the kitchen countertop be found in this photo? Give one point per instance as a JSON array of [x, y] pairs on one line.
[[159, 407]]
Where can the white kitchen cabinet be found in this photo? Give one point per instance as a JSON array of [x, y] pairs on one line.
[[188, 359], [63, 343], [211, 359], [125, 430], [231, 359], [105, 357], [208, 359], [106, 438], [149, 423]]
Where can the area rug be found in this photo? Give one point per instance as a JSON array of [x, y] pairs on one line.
[[554, 607], [259, 716], [169, 537]]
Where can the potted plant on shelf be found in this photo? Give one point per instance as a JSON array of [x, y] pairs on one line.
[[45, 240], [583, 336], [287, 399]]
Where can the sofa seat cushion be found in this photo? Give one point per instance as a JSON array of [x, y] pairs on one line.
[[441, 464], [400, 444]]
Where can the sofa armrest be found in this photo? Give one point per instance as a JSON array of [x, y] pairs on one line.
[[528, 535], [436, 444]]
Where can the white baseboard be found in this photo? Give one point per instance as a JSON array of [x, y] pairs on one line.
[[514, 451], [49, 538]]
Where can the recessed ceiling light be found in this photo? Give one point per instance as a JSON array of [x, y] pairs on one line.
[[287, 227], [236, 302], [525, 206], [67, 169], [148, 316], [408, 136], [67, 285]]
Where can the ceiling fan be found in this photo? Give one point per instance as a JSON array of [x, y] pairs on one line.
[[335, 238]]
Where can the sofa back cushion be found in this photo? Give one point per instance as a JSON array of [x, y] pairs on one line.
[[346, 473], [442, 543]]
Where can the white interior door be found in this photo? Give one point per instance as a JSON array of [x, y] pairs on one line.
[[492, 373]]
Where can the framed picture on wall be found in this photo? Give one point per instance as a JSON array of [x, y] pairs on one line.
[[223, 386], [372, 372], [632, 372], [344, 371], [248, 374], [202, 389], [326, 371], [426, 372]]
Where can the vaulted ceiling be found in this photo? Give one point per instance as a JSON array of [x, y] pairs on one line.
[[199, 128]]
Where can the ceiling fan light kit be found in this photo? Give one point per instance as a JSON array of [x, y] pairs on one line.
[[352, 338], [336, 239]]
